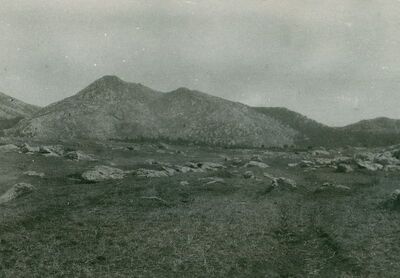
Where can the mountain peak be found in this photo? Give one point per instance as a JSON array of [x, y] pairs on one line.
[[110, 80]]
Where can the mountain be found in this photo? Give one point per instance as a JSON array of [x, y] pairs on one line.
[[370, 133], [13, 110], [110, 108]]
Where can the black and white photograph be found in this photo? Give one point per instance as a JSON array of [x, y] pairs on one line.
[[199, 138]]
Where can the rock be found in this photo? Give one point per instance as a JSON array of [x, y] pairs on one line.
[[34, 174], [344, 168], [211, 166], [149, 173], [283, 183], [306, 163], [396, 153], [79, 155], [256, 157], [163, 146], [392, 168], [151, 162], [370, 166], [292, 165], [395, 196], [248, 175], [18, 190], [368, 156], [101, 173], [29, 149], [256, 164], [169, 171], [8, 147], [184, 183], [329, 187], [386, 158], [55, 151], [133, 148], [320, 153], [213, 180]]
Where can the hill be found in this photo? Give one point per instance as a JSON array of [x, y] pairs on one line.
[[13, 110], [369, 133], [110, 108]]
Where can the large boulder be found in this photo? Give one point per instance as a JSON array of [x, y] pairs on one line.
[[368, 165], [16, 191], [102, 173], [8, 148]]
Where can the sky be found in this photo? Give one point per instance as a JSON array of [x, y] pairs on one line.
[[336, 61]]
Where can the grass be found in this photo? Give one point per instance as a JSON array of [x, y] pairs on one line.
[[239, 228]]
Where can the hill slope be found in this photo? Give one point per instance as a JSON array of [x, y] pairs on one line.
[[110, 108], [375, 132], [13, 110]]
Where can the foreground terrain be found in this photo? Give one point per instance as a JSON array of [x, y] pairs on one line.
[[143, 209]]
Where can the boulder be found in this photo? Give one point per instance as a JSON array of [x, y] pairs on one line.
[[102, 173], [8, 148], [392, 168], [16, 191], [79, 156], [329, 187], [320, 153], [149, 173], [386, 158], [344, 168], [370, 166], [34, 174], [55, 150], [25, 148], [258, 164], [248, 175], [283, 183], [395, 196]]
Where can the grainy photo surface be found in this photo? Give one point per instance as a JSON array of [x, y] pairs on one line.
[[199, 138]]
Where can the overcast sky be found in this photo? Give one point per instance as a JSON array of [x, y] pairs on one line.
[[337, 61]]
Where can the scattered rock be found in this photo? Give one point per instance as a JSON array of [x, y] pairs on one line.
[[18, 190], [329, 187], [248, 175], [101, 173], [34, 174], [256, 164], [344, 168]]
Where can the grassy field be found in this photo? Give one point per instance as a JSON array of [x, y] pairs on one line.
[[158, 227]]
